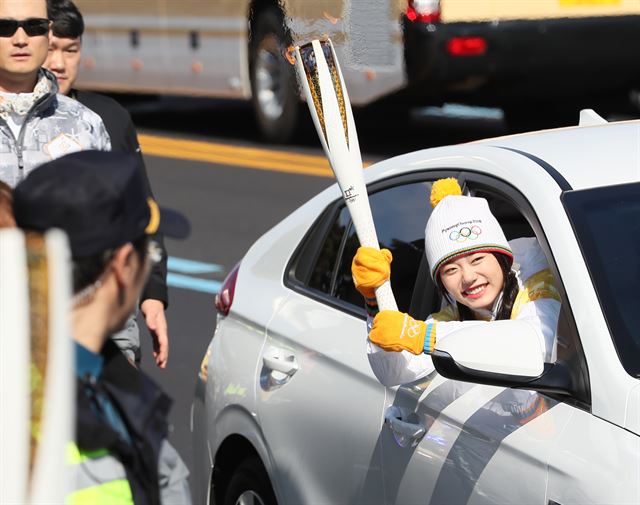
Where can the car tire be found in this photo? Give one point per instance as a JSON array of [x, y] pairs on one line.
[[250, 485], [274, 88]]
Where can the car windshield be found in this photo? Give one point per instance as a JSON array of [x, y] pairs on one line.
[[607, 225]]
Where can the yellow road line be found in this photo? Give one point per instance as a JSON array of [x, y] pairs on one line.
[[261, 159], [205, 148], [250, 157]]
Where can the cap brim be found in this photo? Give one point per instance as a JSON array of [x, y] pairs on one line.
[[169, 222], [174, 224]]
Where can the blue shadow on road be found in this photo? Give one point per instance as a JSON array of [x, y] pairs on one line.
[[185, 266]]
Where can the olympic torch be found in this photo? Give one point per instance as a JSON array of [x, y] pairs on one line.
[[321, 79]]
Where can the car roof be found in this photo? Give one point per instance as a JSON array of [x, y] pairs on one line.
[[586, 156]]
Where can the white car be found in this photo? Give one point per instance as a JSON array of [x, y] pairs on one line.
[[287, 408]]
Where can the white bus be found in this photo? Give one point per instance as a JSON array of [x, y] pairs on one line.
[[523, 56]]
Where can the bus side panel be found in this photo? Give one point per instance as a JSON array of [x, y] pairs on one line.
[[189, 47]]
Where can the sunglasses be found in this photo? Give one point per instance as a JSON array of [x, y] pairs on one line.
[[33, 27]]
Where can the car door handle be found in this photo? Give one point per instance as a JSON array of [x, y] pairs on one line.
[[281, 363], [406, 428]]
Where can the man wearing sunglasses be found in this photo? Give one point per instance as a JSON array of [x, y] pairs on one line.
[[36, 124]]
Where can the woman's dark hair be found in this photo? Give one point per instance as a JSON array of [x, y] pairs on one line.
[[509, 291], [67, 19], [88, 270]]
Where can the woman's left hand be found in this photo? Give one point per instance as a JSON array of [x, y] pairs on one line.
[[396, 331]]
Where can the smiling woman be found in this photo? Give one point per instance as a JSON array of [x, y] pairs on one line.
[[474, 280], [482, 277]]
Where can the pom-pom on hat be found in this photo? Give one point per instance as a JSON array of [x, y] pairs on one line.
[[460, 225]]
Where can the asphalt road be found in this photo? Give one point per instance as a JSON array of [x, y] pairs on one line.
[[231, 205]]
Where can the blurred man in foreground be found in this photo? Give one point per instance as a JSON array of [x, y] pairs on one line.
[[63, 60], [99, 199], [36, 125]]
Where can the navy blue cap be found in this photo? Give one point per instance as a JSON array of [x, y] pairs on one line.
[[99, 198]]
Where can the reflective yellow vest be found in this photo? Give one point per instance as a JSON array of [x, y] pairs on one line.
[[98, 478]]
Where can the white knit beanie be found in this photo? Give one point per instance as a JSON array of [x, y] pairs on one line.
[[460, 225]]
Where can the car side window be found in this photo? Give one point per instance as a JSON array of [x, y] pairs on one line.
[[400, 214], [517, 222], [322, 275]]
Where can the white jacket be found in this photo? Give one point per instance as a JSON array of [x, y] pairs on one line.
[[542, 312], [55, 125]]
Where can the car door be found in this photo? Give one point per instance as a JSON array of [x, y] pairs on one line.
[[479, 444], [449, 442], [595, 462], [320, 407], [598, 457], [469, 444]]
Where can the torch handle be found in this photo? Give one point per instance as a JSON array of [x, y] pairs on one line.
[[321, 80]]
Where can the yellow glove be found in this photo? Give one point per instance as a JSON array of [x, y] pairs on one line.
[[370, 269], [396, 331]]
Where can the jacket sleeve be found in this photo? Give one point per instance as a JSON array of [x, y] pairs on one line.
[[541, 313], [101, 137], [156, 288], [394, 368]]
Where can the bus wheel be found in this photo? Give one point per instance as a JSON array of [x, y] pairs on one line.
[[273, 81]]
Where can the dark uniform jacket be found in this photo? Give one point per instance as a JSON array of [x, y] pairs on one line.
[[143, 408]]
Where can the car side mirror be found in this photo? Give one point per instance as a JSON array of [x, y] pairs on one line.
[[502, 353]]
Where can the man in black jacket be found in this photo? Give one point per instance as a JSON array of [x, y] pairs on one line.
[[64, 61]]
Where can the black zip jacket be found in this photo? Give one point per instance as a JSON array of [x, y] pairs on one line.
[[119, 125]]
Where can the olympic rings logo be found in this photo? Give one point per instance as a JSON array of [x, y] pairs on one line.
[[465, 234]]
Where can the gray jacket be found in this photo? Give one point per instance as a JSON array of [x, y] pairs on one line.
[[54, 126]]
